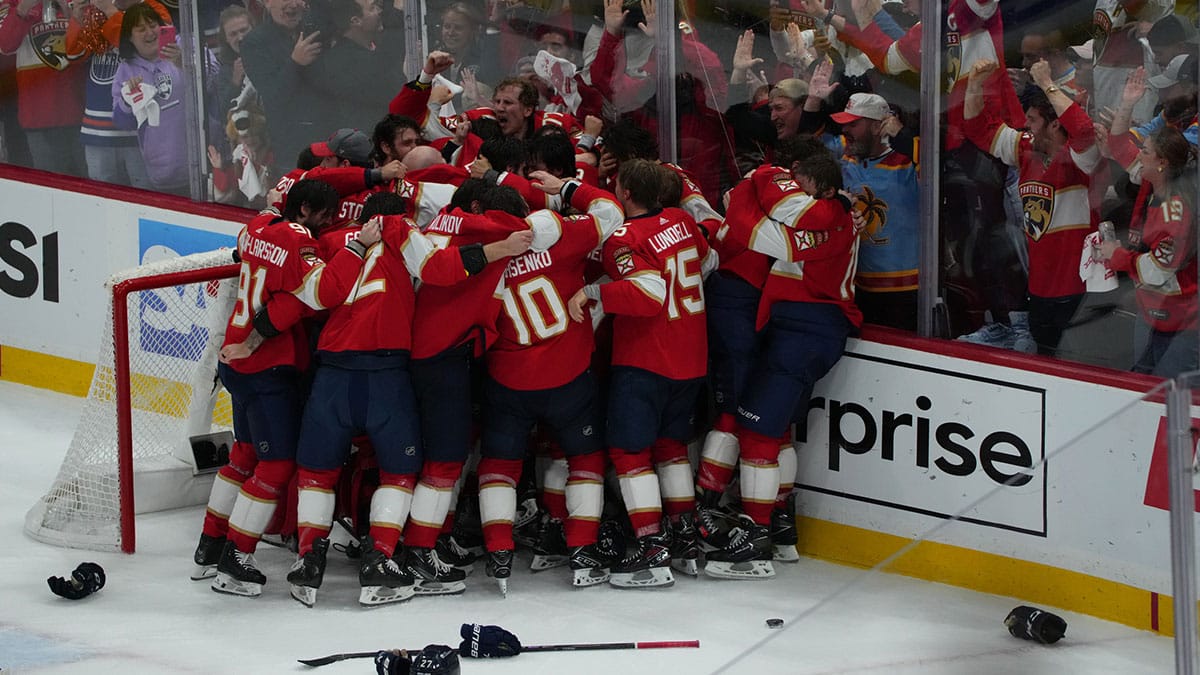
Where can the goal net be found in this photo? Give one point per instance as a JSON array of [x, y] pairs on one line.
[[155, 419]]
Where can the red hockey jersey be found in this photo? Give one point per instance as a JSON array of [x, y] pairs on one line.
[[656, 294], [377, 314], [280, 267]]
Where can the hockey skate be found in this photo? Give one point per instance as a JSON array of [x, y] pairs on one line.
[[433, 576], [648, 567], [206, 557], [685, 551], [783, 532], [383, 580], [454, 555], [526, 525], [747, 555], [592, 564], [550, 551], [499, 567], [237, 573], [307, 573]]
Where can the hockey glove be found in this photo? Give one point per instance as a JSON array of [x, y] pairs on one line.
[[486, 642], [391, 663], [1031, 623], [435, 660], [85, 580]]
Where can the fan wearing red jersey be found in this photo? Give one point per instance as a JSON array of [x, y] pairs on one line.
[[362, 385], [806, 312], [279, 266], [656, 261], [538, 371]]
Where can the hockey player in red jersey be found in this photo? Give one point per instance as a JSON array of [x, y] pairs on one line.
[[538, 372], [806, 311], [656, 261], [279, 267], [362, 386], [453, 326]]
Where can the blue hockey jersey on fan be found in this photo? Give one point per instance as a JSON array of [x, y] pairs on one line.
[[97, 127], [885, 192]]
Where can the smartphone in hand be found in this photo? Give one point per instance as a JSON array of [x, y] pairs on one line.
[[166, 36]]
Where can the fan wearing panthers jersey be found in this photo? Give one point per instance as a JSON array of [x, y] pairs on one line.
[[806, 311], [1055, 158], [538, 371], [362, 385], [656, 261], [279, 267]]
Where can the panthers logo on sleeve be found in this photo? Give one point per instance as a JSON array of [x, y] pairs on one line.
[[1164, 253], [1037, 201], [623, 259]]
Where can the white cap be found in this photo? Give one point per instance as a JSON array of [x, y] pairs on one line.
[[870, 106], [1182, 68]]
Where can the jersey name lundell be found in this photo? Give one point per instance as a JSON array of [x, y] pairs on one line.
[[669, 237]]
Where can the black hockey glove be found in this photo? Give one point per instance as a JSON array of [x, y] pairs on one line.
[[85, 580], [1031, 623], [391, 663], [435, 660], [485, 642]]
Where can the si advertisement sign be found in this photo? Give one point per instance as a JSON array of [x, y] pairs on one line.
[[929, 441], [171, 321]]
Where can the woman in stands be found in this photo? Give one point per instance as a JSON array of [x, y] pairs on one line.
[[1160, 256], [148, 92]]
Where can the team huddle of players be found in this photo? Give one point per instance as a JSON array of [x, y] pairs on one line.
[[592, 310]]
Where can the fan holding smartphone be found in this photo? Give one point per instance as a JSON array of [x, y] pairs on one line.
[[148, 91]]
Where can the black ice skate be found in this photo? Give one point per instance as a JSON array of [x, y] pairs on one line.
[[206, 557], [648, 567], [307, 573], [592, 564], [747, 555], [783, 532], [383, 580], [433, 576], [454, 555], [237, 573], [499, 567], [685, 551], [550, 551]]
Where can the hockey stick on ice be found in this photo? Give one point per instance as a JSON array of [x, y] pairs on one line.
[[576, 647]]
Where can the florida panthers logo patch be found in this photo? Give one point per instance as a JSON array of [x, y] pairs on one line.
[[623, 259], [952, 66], [1037, 201], [49, 42], [1164, 253]]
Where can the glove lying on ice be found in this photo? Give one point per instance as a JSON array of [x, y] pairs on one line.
[[484, 642], [85, 580], [432, 660]]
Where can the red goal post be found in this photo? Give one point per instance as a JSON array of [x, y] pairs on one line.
[[155, 414]]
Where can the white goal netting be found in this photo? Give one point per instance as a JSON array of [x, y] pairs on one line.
[[174, 333]]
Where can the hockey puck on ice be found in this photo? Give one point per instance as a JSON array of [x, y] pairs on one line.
[[774, 623]]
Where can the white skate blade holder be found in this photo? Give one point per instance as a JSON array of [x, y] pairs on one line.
[[655, 577], [750, 569], [202, 572], [542, 562], [305, 595], [428, 587], [223, 583], [591, 576], [373, 596]]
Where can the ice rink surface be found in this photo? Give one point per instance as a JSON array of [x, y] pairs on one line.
[[150, 618]]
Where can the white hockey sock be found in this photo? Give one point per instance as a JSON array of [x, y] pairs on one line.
[[314, 508], [497, 503], [223, 496], [250, 515], [389, 506]]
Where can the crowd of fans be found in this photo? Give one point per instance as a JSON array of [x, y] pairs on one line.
[[99, 89]]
